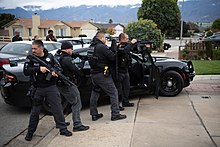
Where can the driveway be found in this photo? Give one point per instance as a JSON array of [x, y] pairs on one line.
[[190, 119]]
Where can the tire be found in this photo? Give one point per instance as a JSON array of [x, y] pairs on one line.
[[64, 102], [171, 83]]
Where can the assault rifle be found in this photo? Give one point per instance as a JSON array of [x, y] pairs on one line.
[[60, 75], [115, 49]]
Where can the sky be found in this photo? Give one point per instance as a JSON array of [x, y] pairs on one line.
[[48, 4]]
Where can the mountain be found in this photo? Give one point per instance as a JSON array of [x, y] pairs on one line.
[[193, 10], [200, 10]]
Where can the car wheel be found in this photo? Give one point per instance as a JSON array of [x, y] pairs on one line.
[[64, 103], [171, 83]]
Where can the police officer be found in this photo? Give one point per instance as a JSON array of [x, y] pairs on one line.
[[101, 79], [45, 88], [123, 80], [71, 93]]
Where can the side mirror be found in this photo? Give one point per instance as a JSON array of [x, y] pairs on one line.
[[13, 63]]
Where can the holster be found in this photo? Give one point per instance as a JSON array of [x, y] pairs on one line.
[[31, 91]]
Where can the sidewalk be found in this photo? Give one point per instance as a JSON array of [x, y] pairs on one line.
[[184, 120], [190, 119]]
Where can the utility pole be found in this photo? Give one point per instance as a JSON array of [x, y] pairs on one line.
[[181, 29]]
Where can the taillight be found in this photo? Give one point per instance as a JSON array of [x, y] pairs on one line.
[[4, 61], [10, 78]]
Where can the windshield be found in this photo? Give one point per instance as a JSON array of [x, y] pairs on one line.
[[17, 48], [25, 49]]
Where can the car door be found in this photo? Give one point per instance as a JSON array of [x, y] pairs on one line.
[[152, 72]]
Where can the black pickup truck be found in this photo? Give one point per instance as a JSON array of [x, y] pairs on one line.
[[151, 75]]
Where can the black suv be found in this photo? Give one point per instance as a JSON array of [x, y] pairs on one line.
[[152, 75]]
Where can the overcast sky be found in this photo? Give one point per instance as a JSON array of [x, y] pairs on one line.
[[47, 4]]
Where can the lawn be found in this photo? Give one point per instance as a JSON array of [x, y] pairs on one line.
[[206, 67]]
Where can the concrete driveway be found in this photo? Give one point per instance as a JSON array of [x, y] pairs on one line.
[[191, 119]]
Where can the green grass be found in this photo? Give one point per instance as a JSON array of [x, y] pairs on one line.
[[206, 67]]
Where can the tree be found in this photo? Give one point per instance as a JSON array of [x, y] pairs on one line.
[[5, 18], [165, 13], [110, 21], [216, 25], [145, 30]]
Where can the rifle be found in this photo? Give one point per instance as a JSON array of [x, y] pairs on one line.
[[115, 49], [60, 75]]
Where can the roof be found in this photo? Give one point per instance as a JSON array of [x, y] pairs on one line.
[[48, 23], [76, 24], [27, 22], [107, 25]]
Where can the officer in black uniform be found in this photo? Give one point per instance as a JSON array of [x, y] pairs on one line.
[[71, 93], [123, 80], [102, 79], [45, 88]]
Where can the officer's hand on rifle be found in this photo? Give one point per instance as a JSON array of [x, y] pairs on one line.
[[44, 69], [147, 45], [133, 41], [54, 74]]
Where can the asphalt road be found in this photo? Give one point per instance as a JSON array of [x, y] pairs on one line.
[[13, 121]]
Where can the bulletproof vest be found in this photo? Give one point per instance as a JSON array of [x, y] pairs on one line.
[[92, 58], [123, 58]]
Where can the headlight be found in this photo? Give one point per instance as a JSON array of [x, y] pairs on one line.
[[186, 68]]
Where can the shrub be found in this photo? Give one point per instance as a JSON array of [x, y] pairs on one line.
[[216, 54], [145, 30]]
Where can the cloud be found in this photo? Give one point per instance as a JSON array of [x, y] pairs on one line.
[[48, 4]]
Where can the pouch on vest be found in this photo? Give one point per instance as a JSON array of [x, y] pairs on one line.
[[92, 59]]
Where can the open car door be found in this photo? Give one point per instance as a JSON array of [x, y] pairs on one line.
[[151, 73]]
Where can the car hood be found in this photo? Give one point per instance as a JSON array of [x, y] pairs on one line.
[[164, 59], [10, 56]]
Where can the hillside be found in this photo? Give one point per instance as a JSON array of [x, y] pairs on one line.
[[193, 10]]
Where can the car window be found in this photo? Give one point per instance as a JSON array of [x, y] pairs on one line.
[[17, 48], [76, 42], [52, 46], [78, 60], [57, 45]]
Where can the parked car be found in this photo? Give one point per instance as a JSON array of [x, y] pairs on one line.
[[215, 38], [75, 42], [152, 75], [85, 40]]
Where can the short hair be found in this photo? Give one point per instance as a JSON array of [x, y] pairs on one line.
[[122, 36], [49, 31], [99, 35], [39, 43]]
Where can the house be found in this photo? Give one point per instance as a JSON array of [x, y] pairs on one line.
[[82, 28], [29, 27]]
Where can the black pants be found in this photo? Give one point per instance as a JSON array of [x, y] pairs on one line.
[[53, 98], [99, 82], [72, 95], [123, 86]]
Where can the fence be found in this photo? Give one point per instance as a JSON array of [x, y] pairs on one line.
[[5, 39], [198, 50]]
